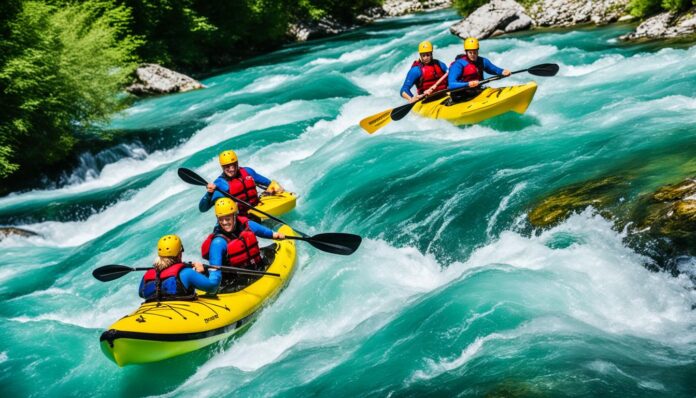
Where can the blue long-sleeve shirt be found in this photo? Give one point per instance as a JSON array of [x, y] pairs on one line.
[[218, 247], [208, 200], [458, 66], [189, 277], [412, 77]]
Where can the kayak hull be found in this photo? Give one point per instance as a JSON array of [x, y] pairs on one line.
[[275, 205], [159, 331], [490, 103]]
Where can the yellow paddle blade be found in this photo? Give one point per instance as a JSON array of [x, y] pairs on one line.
[[376, 122]]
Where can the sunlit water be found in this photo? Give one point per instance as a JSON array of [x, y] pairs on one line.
[[451, 293]]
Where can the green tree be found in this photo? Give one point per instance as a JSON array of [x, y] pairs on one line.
[[466, 7], [64, 72]]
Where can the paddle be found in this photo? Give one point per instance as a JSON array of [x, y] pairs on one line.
[[335, 243], [331, 242], [110, 272], [375, 122]]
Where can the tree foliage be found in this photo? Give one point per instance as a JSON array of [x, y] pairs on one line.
[[63, 63], [63, 68], [466, 7], [642, 8]]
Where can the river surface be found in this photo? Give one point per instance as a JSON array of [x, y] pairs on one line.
[[452, 293]]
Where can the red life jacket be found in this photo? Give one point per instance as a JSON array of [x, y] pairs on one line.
[[472, 70], [429, 76], [243, 187], [242, 251], [167, 285]]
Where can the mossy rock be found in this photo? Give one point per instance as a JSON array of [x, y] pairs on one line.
[[599, 193]]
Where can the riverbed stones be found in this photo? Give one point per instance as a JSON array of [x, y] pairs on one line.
[[155, 79]]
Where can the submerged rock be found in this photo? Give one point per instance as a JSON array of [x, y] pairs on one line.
[[10, 231], [155, 79], [498, 15], [661, 224], [596, 193], [667, 25]]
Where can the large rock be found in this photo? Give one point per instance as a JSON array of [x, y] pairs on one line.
[[572, 12], [305, 30], [155, 79], [395, 8], [496, 16], [13, 231], [667, 25]]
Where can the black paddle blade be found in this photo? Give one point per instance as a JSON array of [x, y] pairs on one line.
[[401, 112], [111, 272], [544, 70], [191, 177], [336, 242]]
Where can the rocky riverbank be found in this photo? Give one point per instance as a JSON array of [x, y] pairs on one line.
[[506, 16]]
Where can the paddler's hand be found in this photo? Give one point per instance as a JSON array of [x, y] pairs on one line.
[[278, 236], [506, 72], [429, 91], [473, 83], [210, 187], [416, 98], [198, 267]]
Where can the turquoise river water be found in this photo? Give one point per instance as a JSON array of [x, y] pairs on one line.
[[452, 293]]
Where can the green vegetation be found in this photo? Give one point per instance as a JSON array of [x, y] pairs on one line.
[[466, 7], [63, 63], [642, 8], [60, 69]]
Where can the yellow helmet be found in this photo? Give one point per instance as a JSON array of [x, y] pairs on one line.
[[425, 47], [471, 43], [169, 246], [224, 207], [227, 157]]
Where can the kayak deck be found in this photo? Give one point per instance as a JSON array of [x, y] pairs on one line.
[[489, 103]]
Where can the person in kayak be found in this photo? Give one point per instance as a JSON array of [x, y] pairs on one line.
[[240, 182], [467, 69], [427, 73], [233, 241], [171, 279]]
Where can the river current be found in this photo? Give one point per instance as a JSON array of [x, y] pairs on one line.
[[452, 293]]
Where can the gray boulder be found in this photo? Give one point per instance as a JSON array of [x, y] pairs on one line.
[[305, 30], [394, 8], [667, 25], [496, 16], [572, 12], [154, 79]]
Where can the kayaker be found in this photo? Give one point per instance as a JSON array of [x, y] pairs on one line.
[[240, 182], [233, 241], [427, 73], [467, 69], [171, 279]]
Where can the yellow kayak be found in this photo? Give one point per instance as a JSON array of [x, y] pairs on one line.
[[490, 103], [275, 205], [158, 331]]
